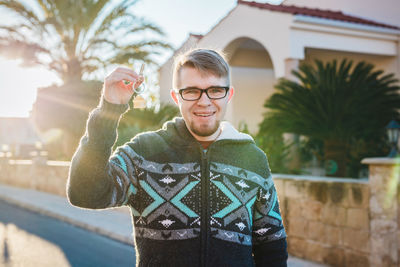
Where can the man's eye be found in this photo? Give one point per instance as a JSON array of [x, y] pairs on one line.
[[216, 90], [191, 92]]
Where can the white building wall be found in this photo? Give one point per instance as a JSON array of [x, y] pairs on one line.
[[386, 63], [252, 87], [284, 38], [268, 28]]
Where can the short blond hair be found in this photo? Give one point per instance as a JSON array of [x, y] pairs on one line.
[[207, 61]]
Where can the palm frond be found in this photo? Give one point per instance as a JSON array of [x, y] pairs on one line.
[[333, 100], [72, 31]]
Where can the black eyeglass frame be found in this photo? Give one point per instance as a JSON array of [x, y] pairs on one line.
[[180, 91]]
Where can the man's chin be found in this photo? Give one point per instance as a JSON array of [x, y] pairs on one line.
[[205, 131]]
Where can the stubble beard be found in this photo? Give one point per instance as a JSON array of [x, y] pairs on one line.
[[204, 131]]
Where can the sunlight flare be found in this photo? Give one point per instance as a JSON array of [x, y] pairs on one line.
[[18, 87]]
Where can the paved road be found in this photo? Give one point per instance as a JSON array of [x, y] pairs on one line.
[[29, 239]]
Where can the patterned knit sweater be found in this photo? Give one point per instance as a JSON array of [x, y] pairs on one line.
[[190, 206]]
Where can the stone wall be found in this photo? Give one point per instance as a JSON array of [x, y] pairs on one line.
[[50, 176], [344, 222], [384, 211], [339, 222], [326, 219]]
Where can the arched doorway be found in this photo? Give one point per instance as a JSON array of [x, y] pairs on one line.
[[253, 79]]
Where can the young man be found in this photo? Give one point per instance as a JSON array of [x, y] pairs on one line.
[[200, 192]]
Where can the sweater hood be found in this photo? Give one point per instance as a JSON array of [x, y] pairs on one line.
[[230, 133], [176, 131]]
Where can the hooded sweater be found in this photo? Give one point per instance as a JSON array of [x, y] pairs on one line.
[[189, 206]]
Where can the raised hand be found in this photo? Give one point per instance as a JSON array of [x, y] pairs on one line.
[[119, 84]]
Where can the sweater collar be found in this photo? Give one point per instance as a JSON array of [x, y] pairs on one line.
[[230, 133], [177, 131]]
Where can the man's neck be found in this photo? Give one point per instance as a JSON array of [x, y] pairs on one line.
[[209, 138]]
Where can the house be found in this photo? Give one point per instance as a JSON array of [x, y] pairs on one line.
[[18, 137], [265, 42]]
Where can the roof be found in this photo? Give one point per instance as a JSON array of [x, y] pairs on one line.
[[17, 131], [315, 12], [198, 36], [191, 37]]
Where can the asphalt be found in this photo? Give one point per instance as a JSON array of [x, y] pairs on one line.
[[113, 223]]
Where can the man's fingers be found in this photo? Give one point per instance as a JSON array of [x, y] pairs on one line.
[[127, 71], [117, 77]]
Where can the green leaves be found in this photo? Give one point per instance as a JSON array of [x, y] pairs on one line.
[[63, 34], [336, 102], [333, 100]]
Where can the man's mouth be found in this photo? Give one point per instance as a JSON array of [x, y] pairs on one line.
[[204, 114]]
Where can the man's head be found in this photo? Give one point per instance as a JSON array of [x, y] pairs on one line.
[[202, 110]]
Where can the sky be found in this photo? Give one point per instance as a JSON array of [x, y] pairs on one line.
[[177, 18]]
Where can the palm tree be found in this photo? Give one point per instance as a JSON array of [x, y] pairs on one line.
[[334, 103], [74, 38]]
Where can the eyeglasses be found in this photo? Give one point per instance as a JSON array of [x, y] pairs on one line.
[[194, 93]]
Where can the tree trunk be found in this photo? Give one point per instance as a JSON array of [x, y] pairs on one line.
[[335, 158]]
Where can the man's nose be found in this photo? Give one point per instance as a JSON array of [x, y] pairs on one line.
[[204, 100]]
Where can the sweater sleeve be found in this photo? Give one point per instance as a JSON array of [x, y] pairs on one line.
[[269, 237], [97, 179]]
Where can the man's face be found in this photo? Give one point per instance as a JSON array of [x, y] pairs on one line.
[[202, 116]]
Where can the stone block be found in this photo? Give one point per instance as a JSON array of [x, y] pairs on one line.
[[383, 206], [44, 177], [316, 231], [294, 207], [357, 218], [333, 235], [297, 227], [294, 189], [359, 196], [297, 246], [280, 187], [338, 194], [379, 226], [335, 257], [398, 246], [318, 191], [312, 210], [355, 259], [315, 251], [375, 207], [357, 240], [380, 177], [384, 248], [333, 215]]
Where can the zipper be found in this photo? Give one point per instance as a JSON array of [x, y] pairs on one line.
[[205, 210], [204, 207]]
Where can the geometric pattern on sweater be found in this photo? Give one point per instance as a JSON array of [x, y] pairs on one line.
[[259, 199], [267, 220], [165, 200]]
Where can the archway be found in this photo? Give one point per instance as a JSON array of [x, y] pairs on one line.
[[253, 79]]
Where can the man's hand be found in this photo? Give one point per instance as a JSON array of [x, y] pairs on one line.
[[116, 88]]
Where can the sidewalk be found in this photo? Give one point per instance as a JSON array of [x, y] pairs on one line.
[[113, 223]]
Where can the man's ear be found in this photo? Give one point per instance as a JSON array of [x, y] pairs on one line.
[[174, 96], [230, 94]]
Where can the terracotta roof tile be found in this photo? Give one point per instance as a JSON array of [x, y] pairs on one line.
[[198, 36], [315, 12]]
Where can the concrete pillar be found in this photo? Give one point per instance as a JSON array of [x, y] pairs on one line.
[[384, 210], [291, 64]]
